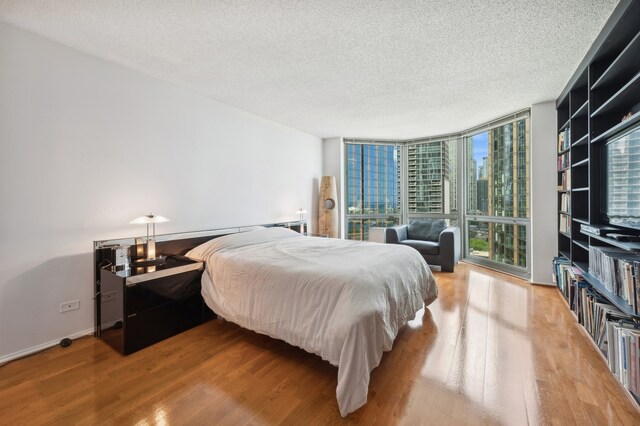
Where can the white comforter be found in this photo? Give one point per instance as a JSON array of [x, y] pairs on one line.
[[342, 300]]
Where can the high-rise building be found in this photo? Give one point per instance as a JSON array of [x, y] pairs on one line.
[[482, 188], [508, 190], [472, 178], [429, 180], [482, 191], [453, 176], [484, 168], [373, 188]]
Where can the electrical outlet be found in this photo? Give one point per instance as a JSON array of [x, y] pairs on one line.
[[69, 306], [110, 295]]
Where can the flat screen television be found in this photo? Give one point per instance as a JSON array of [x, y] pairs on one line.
[[621, 176]]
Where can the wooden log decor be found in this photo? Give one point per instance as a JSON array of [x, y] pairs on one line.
[[328, 207]]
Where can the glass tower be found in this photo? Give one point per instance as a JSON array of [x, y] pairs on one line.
[[373, 188], [429, 188], [508, 191]]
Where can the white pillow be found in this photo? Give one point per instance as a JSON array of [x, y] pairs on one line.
[[204, 250]]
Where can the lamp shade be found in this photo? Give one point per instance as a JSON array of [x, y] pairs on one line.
[[150, 218]]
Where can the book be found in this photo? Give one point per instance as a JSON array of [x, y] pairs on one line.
[[564, 161], [633, 357], [564, 141]]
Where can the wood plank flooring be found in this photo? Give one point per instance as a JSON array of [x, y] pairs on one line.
[[491, 350]]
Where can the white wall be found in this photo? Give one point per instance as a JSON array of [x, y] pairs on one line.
[[87, 145], [333, 165], [544, 178]]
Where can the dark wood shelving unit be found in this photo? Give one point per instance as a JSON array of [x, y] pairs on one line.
[[584, 162], [583, 244], [618, 128], [583, 266], [615, 300], [624, 98], [582, 141], [625, 64], [601, 101], [634, 247], [582, 110]]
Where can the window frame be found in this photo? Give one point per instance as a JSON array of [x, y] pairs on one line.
[[461, 217]]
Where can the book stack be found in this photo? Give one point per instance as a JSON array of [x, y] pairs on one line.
[[564, 140], [564, 161], [618, 270], [565, 203], [623, 353], [619, 340], [565, 183], [576, 293], [564, 221], [601, 314], [560, 264], [613, 331], [567, 277]]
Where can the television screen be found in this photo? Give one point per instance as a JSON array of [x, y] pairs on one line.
[[622, 180]]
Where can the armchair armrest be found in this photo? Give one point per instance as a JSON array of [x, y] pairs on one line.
[[449, 242], [395, 234]]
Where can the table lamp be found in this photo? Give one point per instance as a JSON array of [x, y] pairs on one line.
[[150, 219]]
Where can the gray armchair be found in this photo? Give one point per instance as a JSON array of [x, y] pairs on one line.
[[438, 243]]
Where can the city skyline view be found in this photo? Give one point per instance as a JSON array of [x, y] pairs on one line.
[[480, 148], [497, 185]]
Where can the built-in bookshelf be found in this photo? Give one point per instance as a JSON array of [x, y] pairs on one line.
[[599, 276]]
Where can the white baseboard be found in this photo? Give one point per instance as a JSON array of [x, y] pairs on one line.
[[26, 352]]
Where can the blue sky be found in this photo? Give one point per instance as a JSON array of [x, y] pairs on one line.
[[480, 147]]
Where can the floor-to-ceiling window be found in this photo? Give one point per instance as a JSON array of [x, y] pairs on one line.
[[497, 197], [485, 170], [372, 187]]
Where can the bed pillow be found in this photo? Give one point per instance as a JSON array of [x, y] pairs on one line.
[[204, 250]]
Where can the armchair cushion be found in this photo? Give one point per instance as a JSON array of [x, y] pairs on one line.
[[426, 230], [424, 247]]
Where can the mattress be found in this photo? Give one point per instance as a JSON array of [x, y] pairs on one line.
[[342, 300]]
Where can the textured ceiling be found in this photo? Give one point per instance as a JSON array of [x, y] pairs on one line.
[[353, 68]]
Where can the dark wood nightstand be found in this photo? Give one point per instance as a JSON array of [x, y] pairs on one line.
[[143, 305]]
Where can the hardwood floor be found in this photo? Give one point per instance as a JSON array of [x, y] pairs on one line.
[[491, 350]]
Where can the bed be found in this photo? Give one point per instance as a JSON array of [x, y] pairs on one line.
[[342, 300]]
